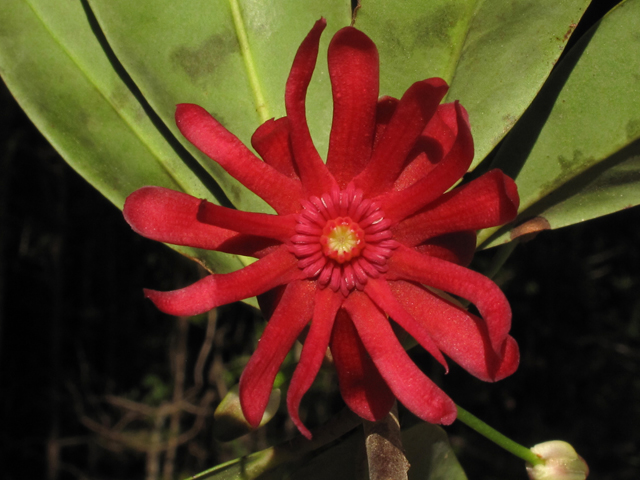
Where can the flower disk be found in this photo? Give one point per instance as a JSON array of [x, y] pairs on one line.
[[342, 239]]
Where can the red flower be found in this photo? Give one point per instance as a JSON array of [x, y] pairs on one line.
[[373, 233]]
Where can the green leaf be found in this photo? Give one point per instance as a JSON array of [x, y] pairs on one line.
[[188, 52], [53, 62], [575, 154], [426, 446], [430, 454], [229, 421], [494, 54], [58, 71]]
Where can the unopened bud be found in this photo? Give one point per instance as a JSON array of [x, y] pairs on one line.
[[561, 462]]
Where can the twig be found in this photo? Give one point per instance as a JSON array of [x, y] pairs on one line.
[[207, 344], [179, 365]]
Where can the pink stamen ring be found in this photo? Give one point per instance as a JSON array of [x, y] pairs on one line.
[[342, 239]]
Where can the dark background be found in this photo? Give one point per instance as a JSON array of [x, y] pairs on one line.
[[75, 329]]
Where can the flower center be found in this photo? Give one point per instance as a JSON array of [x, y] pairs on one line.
[[342, 240]]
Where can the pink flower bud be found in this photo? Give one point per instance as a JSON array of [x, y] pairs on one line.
[[561, 462]]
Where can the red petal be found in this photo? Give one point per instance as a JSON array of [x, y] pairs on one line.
[[169, 216], [461, 335], [412, 114], [291, 316], [279, 227], [354, 73], [407, 264], [315, 347], [412, 387], [444, 125], [432, 146], [488, 201], [271, 141], [314, 174], [458, 247], [277, 268], [206, 133], [399, 205], [362, 387], [379, 291], [384, 113]]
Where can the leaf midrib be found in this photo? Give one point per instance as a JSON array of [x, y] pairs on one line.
[[261, 105], [457, 54]]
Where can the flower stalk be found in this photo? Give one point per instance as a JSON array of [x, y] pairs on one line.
[[496, 437]]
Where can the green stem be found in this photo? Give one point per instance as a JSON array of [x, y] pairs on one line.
[[247, 56], [499, 439]]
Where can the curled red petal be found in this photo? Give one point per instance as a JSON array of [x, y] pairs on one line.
[[432, 146], [487, 201], [271, 141], [379, 291], [168, 216], [314, 174], [327, 303], [399, 205], [384, 113], [279, 227], [362, 388], [457, 247], [206, 133], [412, 387], [443, 127], [354, 74], [290, 317], [277, 268], [412, 114], [407, 264], [459, 334]]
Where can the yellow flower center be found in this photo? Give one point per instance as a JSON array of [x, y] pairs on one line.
[[342, 239]]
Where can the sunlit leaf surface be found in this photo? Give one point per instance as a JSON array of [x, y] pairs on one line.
[[575, 153], [188, 52], [495, 55], [55, 65]]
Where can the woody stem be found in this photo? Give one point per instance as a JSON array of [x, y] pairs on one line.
[[384, 448]]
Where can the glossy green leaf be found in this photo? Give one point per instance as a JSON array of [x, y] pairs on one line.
[[54, 64], [494, 54], [188, 52], [575, 154]]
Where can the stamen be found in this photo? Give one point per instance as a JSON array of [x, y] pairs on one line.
[[342, 240]]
